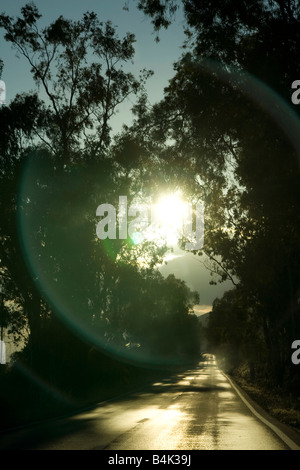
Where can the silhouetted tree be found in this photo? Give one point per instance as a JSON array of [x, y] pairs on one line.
[[55, 164], [58, 166], [222, 128]]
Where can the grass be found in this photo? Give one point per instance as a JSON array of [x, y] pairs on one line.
[[278, 403]]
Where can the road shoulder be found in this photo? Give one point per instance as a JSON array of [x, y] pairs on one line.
[[289, 435]]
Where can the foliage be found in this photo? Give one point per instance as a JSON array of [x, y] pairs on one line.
[[223, 126], [82, 94], [58, 165]]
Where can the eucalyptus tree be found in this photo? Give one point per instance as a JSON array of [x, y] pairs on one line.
[[227, 131], [56, 166]]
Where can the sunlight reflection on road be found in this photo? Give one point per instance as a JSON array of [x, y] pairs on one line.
[[195, 410]]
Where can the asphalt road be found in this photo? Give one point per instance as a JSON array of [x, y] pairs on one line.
[[197, 410]]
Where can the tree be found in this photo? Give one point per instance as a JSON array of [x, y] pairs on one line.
[[235, 332], [82, 95], [222, 126], [55, 163], [58, 165]]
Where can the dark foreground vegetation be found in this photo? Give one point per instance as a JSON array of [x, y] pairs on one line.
[[277, 401], [64, 379]]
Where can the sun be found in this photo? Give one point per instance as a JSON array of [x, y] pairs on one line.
[[167, 218]]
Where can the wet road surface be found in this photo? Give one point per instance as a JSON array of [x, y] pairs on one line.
[[195, 410]]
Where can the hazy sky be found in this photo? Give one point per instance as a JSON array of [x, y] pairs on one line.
[[149, 54]]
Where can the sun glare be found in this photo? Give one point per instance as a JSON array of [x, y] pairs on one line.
[[167, 218]]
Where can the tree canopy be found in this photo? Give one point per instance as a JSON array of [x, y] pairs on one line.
[[222, 126], [58, 164]]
